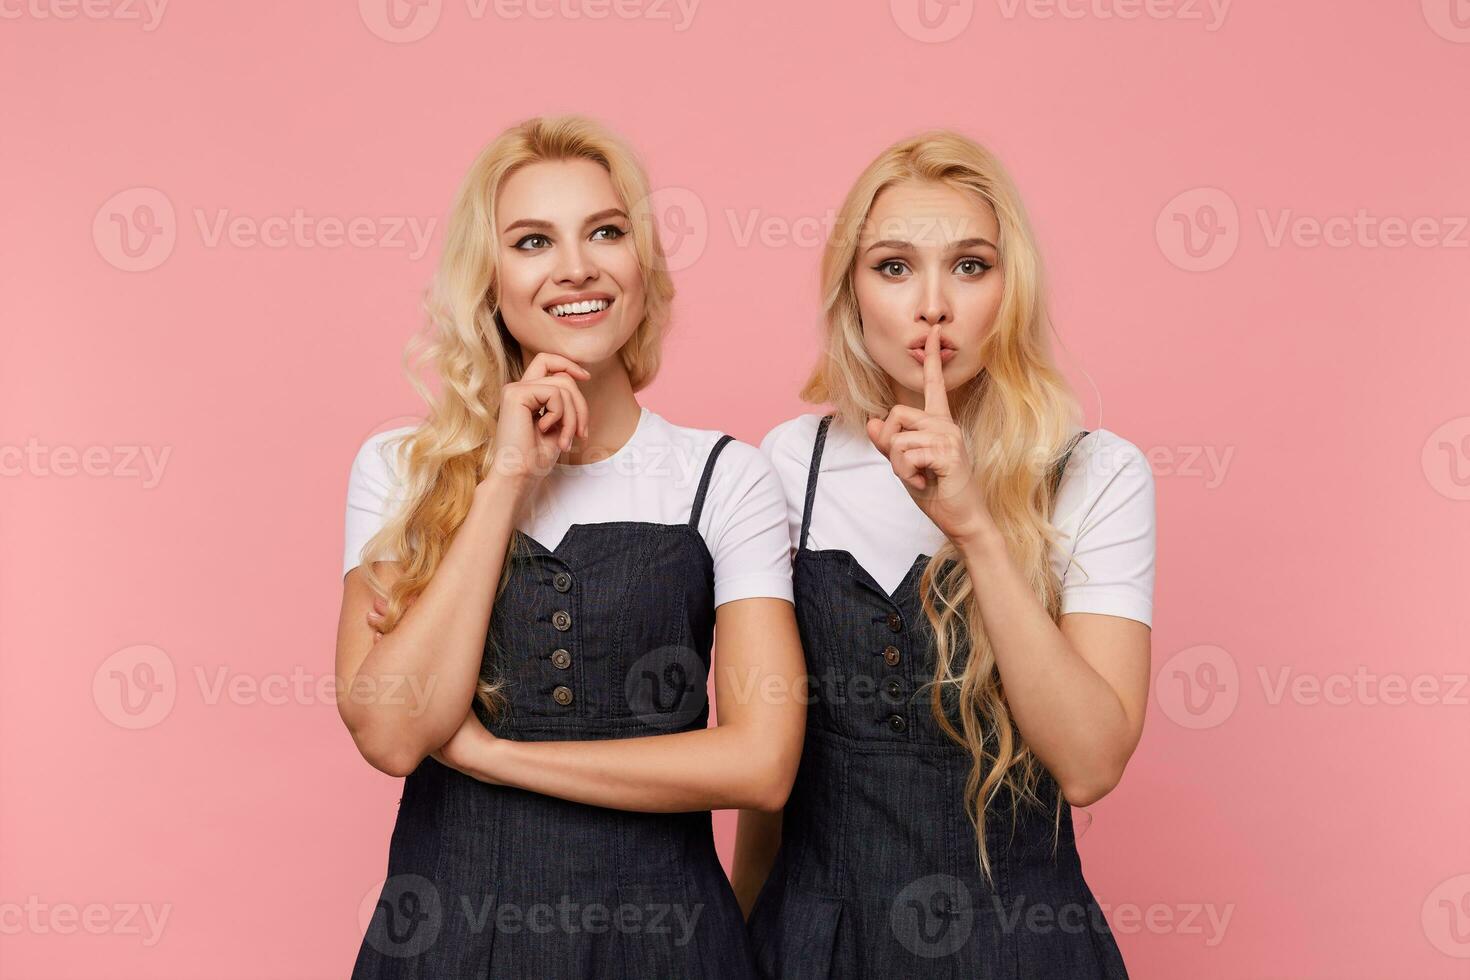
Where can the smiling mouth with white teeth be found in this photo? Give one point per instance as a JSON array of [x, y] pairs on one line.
[[583, 311]]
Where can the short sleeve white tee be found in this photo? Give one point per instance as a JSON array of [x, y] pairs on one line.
[[1104, 511], [653, 478]]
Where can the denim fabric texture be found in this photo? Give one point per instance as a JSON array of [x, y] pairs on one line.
[[878, 874], [607, 635]]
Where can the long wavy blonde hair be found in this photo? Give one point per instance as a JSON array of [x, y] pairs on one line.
[[467, 347], [1017, 416]]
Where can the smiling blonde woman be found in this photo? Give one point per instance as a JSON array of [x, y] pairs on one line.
[[550, 561]]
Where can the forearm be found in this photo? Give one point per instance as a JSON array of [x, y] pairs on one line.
[[757, 839], [725, 767], [1070, 716], [415, 685]]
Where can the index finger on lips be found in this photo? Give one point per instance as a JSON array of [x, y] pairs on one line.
[[936, 400]]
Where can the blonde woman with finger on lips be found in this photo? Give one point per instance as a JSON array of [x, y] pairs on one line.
[[550, 561], [974, 587]]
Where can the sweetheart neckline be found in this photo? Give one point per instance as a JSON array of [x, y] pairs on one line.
[[865, 576], [581, 525]]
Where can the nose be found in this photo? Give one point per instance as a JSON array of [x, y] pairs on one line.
[[933, 303], [574, 266]]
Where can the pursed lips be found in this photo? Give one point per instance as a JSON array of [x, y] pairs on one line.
[[946, 349]]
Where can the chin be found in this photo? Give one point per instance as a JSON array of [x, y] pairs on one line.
[[586, 350], [913, 373]]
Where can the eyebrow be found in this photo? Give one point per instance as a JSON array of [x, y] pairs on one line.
[[540, 225], [903, 246]]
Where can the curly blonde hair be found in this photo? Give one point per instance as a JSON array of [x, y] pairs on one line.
[[1019, 412], [468, 349]]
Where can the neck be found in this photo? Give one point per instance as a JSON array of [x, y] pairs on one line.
[[612, 410]]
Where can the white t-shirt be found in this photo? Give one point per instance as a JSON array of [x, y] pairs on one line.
[[654, 478], [1104, 511]]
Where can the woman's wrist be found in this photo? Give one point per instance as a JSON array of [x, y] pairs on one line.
[[980, 545], [499, 487], [484, 760]]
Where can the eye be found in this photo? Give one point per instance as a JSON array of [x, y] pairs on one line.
[[972, 267], [613, 233], [532, 242], [891, 268]]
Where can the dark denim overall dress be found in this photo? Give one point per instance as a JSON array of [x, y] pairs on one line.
[[878, 874], [607, 635]]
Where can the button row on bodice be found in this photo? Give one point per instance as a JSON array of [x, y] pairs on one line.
[[561, 657], [892, 683]]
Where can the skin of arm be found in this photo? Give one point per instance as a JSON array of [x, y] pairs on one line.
[[404, 693], [407, 693], [747, 760], [1078, 689], [757, 839]]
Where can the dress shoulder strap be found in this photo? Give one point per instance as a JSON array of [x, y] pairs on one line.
[[1056, 476], [709, 468], [811, 479], [816, 465]]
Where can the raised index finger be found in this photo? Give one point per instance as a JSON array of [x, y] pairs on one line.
[[936, 401]]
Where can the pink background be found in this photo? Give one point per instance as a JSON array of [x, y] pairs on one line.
[[1304, 405]]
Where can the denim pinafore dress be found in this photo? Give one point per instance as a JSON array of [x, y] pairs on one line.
[[607, 635], [878, 873]]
